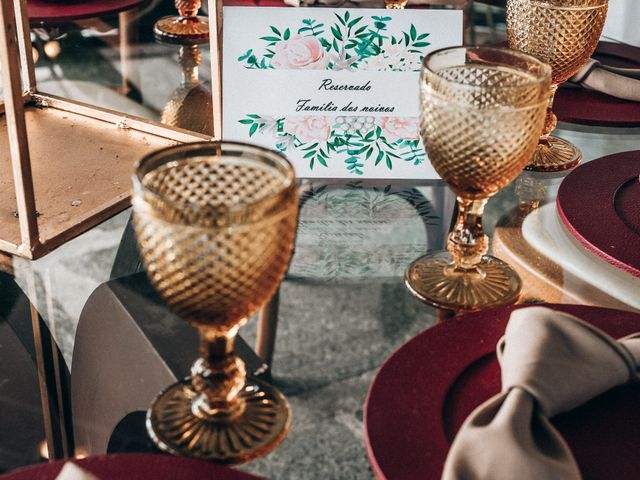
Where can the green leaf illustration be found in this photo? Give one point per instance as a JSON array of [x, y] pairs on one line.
[[353, 22], [253, 129]]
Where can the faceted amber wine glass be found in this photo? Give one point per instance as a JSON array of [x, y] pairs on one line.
[[185, 29], [564, 34], [215, 224], [481, 113]]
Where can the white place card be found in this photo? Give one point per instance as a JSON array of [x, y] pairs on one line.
[[622, 22], [335, 90]]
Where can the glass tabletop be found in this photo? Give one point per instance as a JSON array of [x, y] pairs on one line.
[[341, 311]]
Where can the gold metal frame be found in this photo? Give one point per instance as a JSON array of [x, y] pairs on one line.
[[97, 136]]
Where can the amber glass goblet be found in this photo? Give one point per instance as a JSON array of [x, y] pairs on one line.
[[481, 113], [395, 4], [215, 224], [185, 29], [564, 34]]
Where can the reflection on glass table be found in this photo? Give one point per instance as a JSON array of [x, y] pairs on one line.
[[532, 237], [36, 416], [105, 53]]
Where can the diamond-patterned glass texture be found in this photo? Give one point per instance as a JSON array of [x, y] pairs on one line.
[[481, 113], [563, 34], [216, 234], [480, 122]]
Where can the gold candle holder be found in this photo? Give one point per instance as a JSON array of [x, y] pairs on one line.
[[185, 29], [215, 223], [190, 106]]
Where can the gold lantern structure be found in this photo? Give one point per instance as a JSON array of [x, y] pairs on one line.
[[65, 166]]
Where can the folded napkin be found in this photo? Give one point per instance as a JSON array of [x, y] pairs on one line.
[[618, 82], [71, 471], [551, 363]]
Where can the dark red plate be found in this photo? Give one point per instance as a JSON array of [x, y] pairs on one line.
[[587, 107], [599, 203], [425, 390], [47, 12], [135, 466], [254, 3]]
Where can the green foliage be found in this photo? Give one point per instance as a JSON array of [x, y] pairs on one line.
[[351, 37], [360, 148]]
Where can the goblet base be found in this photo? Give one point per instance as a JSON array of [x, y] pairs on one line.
[[434, 279], [175, 427], [182, 30], [554, 156]]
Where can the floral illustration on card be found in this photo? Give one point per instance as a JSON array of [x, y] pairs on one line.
[[350, 43], [357, 139]]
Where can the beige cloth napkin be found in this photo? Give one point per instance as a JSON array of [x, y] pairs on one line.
[[618, 82], [551, 362], [71, 471]]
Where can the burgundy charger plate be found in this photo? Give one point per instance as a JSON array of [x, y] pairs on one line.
[[135, 466], [588, 107], [426, 389], [254, 3], [43, 11], [599, 203]]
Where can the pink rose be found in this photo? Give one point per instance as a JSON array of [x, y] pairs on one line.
[[308, 129], [399, 128], [300, 53]]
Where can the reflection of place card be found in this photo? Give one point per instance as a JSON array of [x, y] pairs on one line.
[[336, 90], [355, 230]]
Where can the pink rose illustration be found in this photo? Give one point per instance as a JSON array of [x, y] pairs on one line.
[[399, 128], [300, 53], [309, 128]]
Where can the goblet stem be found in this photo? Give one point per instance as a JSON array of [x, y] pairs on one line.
[[464, 278], [185, 29], [553, 154], [551, 120], [189, 58], [218, 377], [188, 8], [468, 242], [530, 192]]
